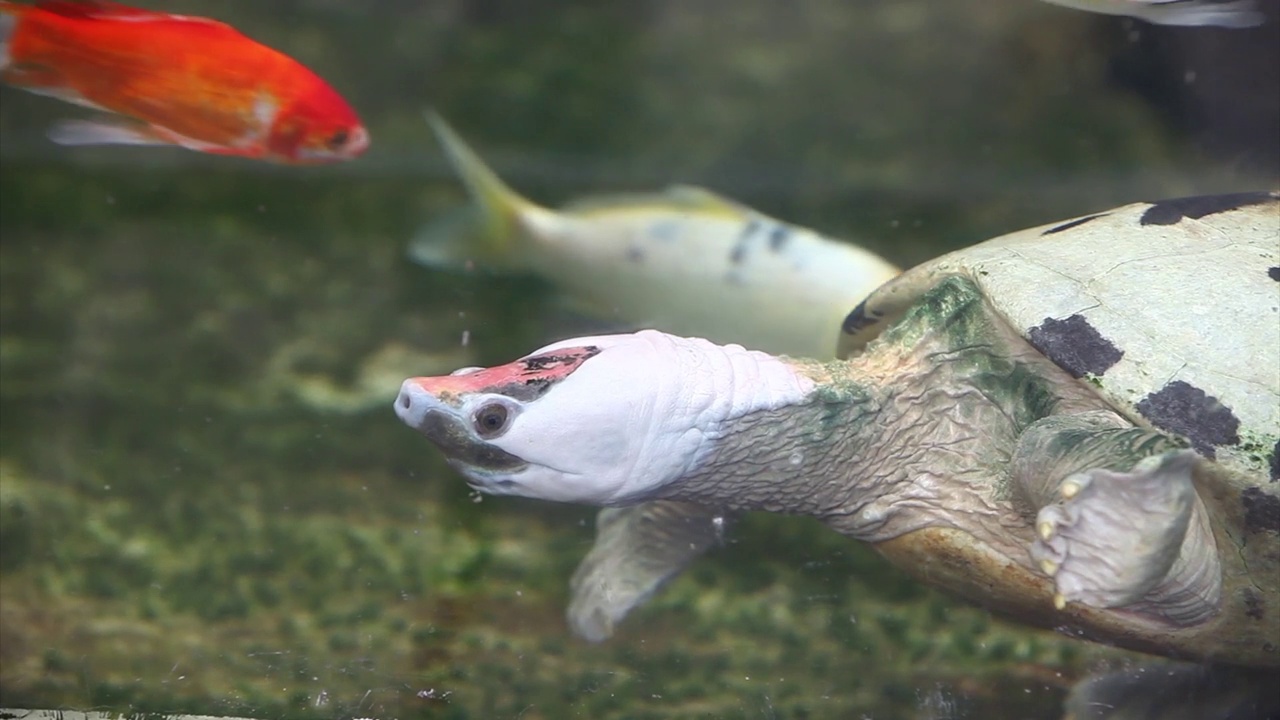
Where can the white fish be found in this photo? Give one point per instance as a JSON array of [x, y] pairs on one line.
[[1220, 13], [684, 260]]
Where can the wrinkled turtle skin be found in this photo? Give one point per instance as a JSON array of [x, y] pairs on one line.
[[1075, 425]]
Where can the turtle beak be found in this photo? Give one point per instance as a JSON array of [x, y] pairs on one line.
[[425, 404]]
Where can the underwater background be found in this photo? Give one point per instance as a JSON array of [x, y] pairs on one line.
[[207, 504]]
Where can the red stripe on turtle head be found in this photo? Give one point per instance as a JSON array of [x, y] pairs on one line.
[[524, 379]]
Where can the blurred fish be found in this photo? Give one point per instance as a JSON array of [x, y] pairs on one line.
[[173, 80], [684, 260], [1222, 13]]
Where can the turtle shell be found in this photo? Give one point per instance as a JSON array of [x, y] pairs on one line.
[[1170, 309]]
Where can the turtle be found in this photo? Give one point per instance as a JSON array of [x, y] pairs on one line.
[[1075, 425]]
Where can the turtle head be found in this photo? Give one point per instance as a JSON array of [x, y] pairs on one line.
[[602, 420]]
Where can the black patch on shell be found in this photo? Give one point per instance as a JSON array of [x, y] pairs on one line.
[[1171, 212], [1252, 604], [1187, 410], [1074, 223], [1274, 273], [1075, 346], [635, 255], [858, 319], [778, 237], [1261, 510], [1275, 462]]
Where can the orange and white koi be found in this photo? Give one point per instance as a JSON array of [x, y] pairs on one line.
[[173, 80]]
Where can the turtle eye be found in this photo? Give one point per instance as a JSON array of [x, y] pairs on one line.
[[337, 140], [490, 421]]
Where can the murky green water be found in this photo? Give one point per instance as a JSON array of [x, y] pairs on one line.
[[207, 505]]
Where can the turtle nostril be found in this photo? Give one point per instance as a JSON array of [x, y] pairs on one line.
[[413, 403]]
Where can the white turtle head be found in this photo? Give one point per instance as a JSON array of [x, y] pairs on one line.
[[600, 420]]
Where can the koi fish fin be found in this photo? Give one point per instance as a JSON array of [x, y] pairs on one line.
[[490, 232], [694, 196], [105, 10], [689, 198], [9, 14], [46, 81], [104, 132], [448, 242]]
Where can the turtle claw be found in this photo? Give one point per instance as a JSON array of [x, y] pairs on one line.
[[1111, 537]]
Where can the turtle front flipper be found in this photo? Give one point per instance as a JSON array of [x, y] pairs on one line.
[[637, 550], [1118, 521]]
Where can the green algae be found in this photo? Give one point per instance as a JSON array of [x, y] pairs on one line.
[[206, 504]]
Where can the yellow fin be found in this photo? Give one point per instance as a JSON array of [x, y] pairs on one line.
[[687, 198], [696, 196], [489, 233]]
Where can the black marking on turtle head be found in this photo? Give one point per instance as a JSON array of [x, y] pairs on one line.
[[1075, 346], [451, 435], [1275, 462], [778, 237], [1274, 273], [1072, 224], [526, 390], [1172, 212], [1261, 510], [539, 363], [1187, 410], [859, 319]]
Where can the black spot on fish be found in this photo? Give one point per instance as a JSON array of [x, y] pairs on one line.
[[859, 319], [1074, 223], [1075, 346], [1261, 510], [1253, 606], [739, 251], [635, 255], [1275, 462], [1188, 411], [778, 237], [1274, 273], [1171, 212]]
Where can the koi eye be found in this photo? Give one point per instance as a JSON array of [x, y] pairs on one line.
[[490, 421], [338, 139]]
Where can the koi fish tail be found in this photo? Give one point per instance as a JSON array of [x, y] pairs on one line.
[[9, 14], [490, 231]]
